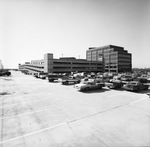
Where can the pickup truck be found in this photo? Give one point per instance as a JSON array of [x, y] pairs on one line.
[[70, 80]]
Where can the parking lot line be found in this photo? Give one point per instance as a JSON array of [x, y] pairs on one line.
[[29, 134]]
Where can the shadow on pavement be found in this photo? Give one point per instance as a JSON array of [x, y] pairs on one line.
[[4, 93], [145, 92], [95, 91]]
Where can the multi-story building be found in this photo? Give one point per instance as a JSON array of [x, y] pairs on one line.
[[61, 65], [114, 58]]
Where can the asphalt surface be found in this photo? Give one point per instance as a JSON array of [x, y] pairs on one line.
[[34, 112]]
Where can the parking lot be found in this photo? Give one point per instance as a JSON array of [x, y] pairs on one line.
[[35, 112]]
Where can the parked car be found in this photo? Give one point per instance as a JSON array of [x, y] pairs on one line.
[[99, 79], [4, 72], [53, 77], [89, 86], [70, 80], [42, 75], [144, 78], [36, 75], [135, 86], [114, 84], [86, 80], [117, 77], [126, 78]]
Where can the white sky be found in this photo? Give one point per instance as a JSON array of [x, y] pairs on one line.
[[31, 28]]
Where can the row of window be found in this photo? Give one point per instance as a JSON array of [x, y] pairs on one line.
[[37, 62], [124, 55], [36, 66], [113, 56], [32, 69], [78, 63], [124, 59], [65, 68], [57, 67], [61, 62], [107, 53], [111, 67]]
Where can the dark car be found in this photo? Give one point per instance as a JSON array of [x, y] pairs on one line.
[[126, 78], [135, 86], [53, 77], [5, 73], [70, 80], [114, 84]]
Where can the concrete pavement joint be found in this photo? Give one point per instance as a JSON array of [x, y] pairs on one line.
[[29, 134], [99, 112], [106, 110], [73, 132], [138, 100], [60, 124], [3, 113]]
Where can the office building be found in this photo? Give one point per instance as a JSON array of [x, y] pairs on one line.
[[114, 58]]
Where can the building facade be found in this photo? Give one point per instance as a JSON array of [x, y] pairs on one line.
[[114, 58], [61, 65]]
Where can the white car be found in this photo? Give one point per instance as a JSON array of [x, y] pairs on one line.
[[86, 80], [89, 86]]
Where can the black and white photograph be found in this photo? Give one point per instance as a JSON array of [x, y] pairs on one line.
[[74, 73]]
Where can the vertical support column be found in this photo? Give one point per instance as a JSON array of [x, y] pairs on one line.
[[48, 63]]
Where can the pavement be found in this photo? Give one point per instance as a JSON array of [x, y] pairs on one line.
[[34, 112]]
